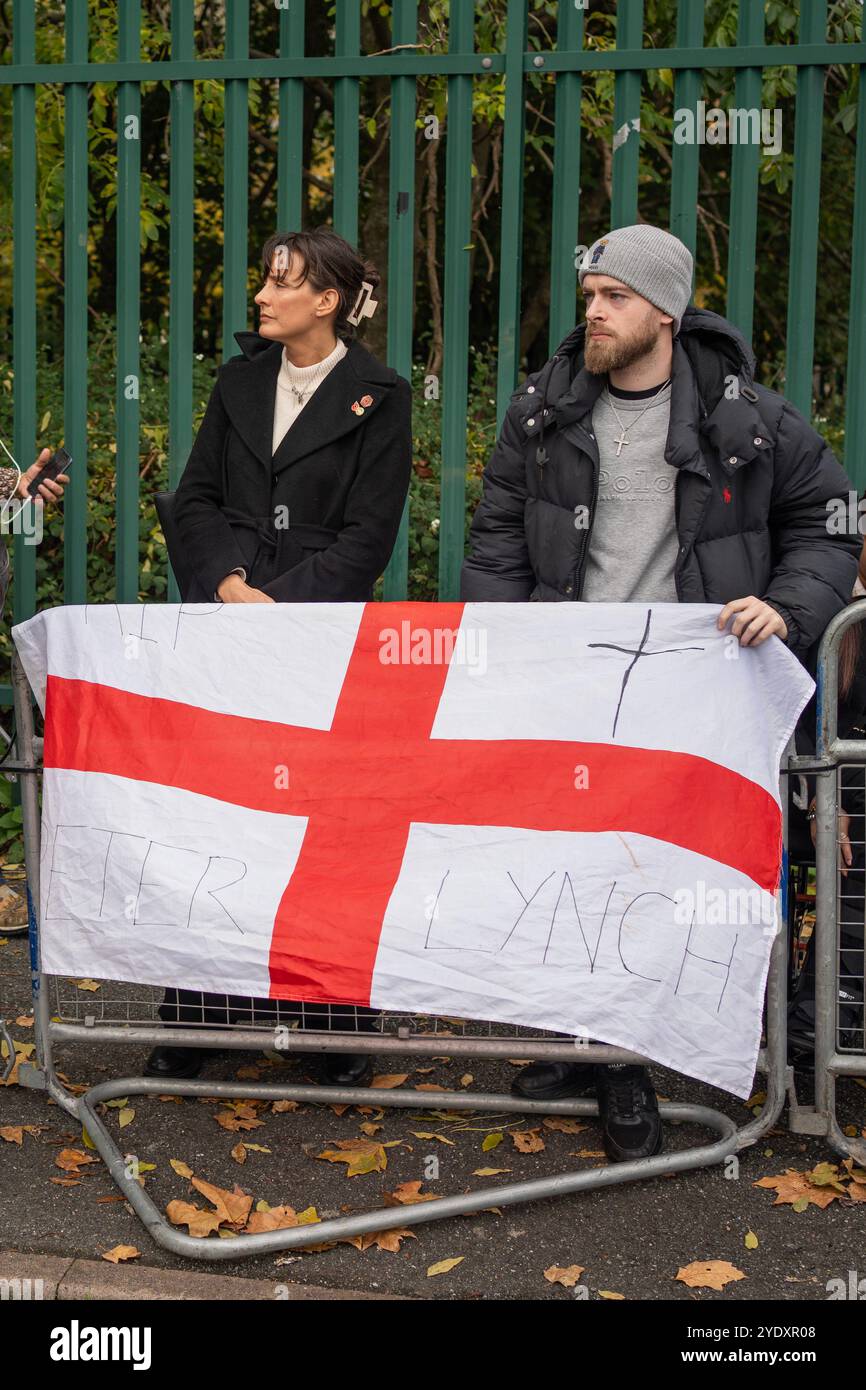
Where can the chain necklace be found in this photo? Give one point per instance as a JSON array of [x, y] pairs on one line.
[[298, 394], [312, 382], [623, 432]]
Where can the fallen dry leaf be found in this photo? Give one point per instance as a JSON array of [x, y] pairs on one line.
[[75, 1088], [527, 1141], [709, 1274], [22, 1052], [126, 1116], [25, 1021], [183, 1170], [751, 1241], [66, 1182], [385, 1240], [13, 1134], [794, 1189], [429, 1086], [428, 1134], [239, 1153], [588, 1153], [488, 1172], [234, 1123], [70, 1160], [467, 1079], [90, 985], [248, 1073], [369, 1129], [826, 1175], [562, 1124], [609, 1293], [492, 1142], [280, 1107], [233, 1207], [121, 1252], [359, 1155], [387, 1082], [407, 1194], [199, 1221], [443, 1266], [274, 1219], [567, 1276]]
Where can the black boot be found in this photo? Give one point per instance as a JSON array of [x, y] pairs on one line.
[[627, 1104], [174, 1063], [554, 1080], [348, 1069]]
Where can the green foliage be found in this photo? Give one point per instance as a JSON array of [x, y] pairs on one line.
[[425, 489], [11, 822]]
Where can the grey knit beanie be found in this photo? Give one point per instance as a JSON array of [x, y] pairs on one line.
[[650, 261]]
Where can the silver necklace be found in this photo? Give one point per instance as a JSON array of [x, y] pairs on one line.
[[623, 432], [311, 384], [298, 395]]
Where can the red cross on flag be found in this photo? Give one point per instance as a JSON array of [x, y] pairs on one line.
[[558, 815]]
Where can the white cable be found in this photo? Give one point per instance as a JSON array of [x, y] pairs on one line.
[[24, 500]]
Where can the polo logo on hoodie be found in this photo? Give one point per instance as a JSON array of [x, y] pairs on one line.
[[598, 252]]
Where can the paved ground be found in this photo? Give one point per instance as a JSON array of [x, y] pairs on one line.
[[629, 1240]]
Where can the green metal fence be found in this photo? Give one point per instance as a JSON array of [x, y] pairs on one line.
[[463, 66]]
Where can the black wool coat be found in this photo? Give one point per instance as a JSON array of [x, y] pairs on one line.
[[317, 520], [753, 488]]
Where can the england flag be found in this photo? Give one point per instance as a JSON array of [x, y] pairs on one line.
[[565, 816]]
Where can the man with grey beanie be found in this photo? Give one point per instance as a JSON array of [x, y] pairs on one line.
[[643, 463]]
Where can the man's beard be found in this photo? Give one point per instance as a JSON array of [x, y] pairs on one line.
[[612, 354]]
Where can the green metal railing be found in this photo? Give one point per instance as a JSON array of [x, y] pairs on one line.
[[463, 66]]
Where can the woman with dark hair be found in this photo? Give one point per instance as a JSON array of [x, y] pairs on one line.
[[296, 482], [293, 492]]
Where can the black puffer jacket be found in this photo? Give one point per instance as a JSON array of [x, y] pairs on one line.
[[752, 488]]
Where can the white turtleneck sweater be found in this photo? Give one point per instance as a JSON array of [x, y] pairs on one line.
[[287, 407]]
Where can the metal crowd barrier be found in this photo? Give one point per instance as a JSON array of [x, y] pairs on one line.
[[129, 1020], [840, 1043]]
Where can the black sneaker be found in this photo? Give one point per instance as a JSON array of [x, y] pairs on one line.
[[629, 1111], [175, 1063], [348, 1069], [554, 1080]]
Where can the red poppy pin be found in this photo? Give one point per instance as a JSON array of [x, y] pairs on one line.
[[366, 400], [727, 494], [357, 407]]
